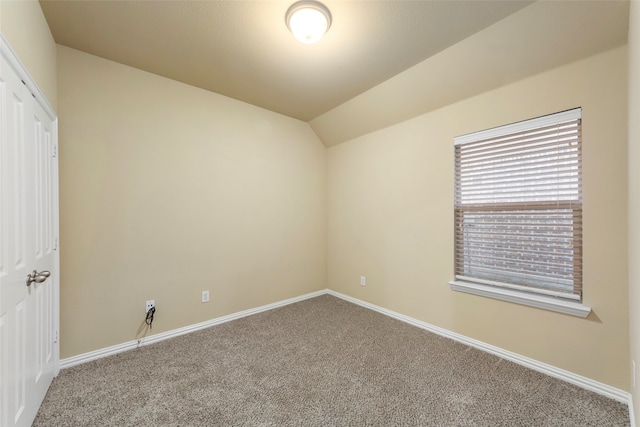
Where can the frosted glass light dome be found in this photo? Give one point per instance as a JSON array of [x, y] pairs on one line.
[[308, 21]]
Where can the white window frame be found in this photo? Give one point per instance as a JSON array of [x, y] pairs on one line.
[[548, 300]]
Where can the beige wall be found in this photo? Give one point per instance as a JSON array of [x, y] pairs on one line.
[[167, 190], [634, 194], [390, 218], [23, 25]]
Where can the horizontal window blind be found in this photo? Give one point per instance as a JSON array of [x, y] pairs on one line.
[[518, 206]]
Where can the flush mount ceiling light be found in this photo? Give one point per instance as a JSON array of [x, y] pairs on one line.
[[308, 20]]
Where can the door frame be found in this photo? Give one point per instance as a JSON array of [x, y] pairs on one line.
[[13, 60]]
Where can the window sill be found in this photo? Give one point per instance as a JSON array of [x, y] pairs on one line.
[[532, 300]]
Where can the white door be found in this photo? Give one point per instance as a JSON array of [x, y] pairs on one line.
[[28, 243]]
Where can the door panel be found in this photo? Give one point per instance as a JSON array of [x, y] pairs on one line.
[[28, 228], [43, 253], [13, 297]]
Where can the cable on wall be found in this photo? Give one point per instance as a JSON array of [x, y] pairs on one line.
[[149, 319]]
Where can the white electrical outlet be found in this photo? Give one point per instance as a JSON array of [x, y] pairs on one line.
[[205, 296], [150, 304], [363, 281]]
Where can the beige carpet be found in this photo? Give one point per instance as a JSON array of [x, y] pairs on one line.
[[319, 362]]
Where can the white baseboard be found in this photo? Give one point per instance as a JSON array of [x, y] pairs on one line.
[[578, 380], [570, 377], [632, 416], [130, 345]]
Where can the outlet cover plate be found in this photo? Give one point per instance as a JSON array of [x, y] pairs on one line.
[[205, 296], [150, 304]]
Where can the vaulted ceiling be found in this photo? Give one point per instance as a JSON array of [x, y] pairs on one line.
[[242, 49]]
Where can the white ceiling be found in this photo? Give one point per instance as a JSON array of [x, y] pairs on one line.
[[540, 37], [243, 49], [380, 63]]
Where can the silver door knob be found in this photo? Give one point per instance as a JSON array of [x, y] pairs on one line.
[[37, 277]]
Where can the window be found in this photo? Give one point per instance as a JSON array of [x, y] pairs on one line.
[[518, 213]]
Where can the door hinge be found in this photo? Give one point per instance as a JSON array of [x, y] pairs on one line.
[[55, 151], [55, 244], [55, 340]]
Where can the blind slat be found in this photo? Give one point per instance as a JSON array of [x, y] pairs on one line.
[[565, 145], [511, 286]]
